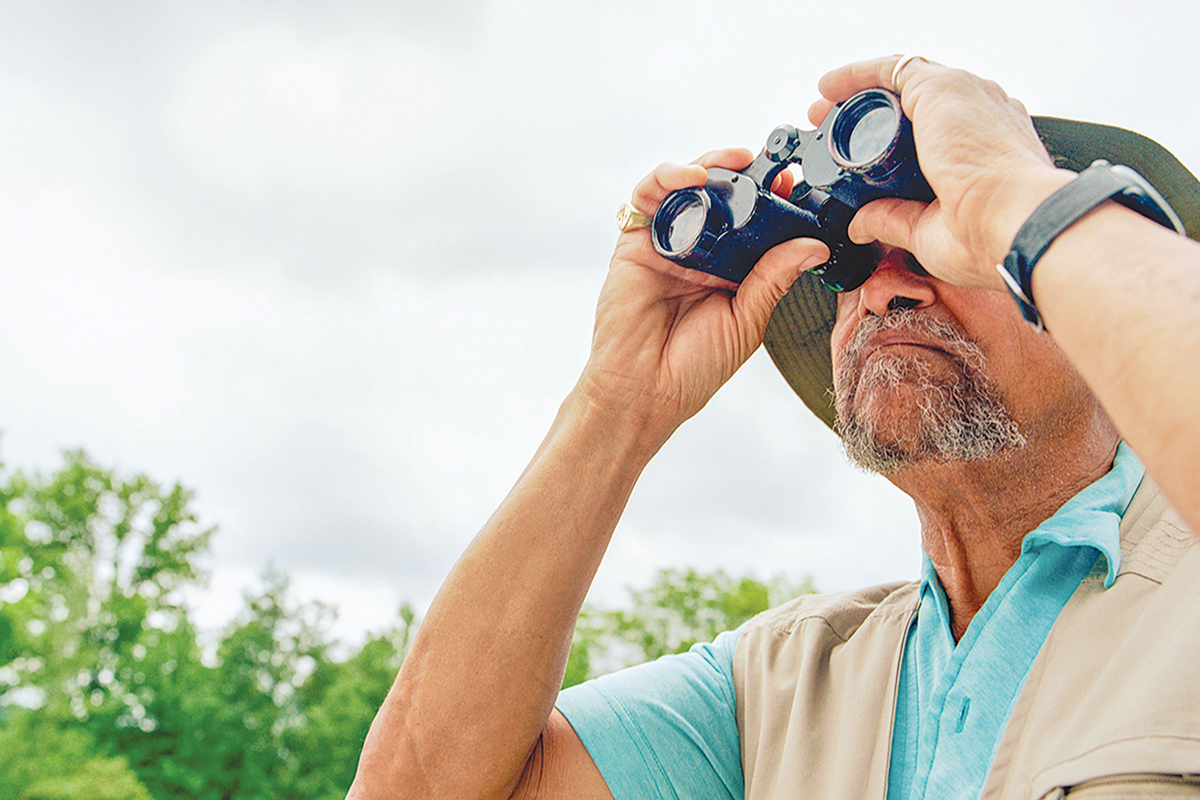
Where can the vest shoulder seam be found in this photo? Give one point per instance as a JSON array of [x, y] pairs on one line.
[[842, 612]]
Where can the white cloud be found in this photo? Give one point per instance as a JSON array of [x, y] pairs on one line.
[[268, 105]]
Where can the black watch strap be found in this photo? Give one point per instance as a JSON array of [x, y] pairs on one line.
[[1100, 182]]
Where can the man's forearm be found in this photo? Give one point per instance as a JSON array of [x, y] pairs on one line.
[[482, 675], [1121, 295]]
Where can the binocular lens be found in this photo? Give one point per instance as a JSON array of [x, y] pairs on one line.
[[865, 129], [688, 223], [872, 135], [685, 220]]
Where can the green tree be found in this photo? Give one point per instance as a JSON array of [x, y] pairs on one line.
[[91, 561], [91, 567], [123, 701], [679, 609], [171, 747], [41, 759]]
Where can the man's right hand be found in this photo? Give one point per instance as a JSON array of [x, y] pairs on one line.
[[667, 337]]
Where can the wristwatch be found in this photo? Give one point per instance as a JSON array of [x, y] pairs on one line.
[[1098, 183]]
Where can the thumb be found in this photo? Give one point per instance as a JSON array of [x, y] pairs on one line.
[[771, 278], [891, 221]]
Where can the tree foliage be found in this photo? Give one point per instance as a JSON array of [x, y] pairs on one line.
[[105, 688]]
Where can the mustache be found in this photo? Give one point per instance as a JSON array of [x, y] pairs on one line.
[[945, 334]]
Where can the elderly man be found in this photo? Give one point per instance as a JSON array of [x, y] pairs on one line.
[[1051, 646]]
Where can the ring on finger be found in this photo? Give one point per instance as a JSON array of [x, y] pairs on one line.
[[901, 64], [629, 218]]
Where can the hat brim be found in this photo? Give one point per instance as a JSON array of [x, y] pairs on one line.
[[798, 333]]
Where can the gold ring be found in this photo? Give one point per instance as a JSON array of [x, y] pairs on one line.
[[901, 64], [629, 218]]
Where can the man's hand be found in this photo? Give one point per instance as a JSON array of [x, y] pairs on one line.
[[667, 337], [980, 153]]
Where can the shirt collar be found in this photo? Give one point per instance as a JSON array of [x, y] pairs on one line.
[[1092, 518]]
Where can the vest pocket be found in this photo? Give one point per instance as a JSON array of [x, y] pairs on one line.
[[1148, 785]]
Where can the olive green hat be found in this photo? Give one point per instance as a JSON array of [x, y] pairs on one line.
[[798, 334]]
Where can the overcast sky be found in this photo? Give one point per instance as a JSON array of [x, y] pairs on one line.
[[333, 265]]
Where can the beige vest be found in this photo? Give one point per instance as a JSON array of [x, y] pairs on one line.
[[1111, 707]]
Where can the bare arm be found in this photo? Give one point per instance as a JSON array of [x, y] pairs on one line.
[[470, 714], [1122, 297], [478, 685], [1119, 294]]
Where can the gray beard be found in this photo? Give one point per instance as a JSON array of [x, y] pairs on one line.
[[960, 419]]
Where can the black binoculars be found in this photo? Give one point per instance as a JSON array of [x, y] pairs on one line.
[[863, 151]]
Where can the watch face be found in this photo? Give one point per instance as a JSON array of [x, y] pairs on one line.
[[1146, 200]]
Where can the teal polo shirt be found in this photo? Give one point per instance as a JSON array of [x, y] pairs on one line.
[[668, 729]]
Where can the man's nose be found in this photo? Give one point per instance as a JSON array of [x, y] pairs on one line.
[[897, 283]]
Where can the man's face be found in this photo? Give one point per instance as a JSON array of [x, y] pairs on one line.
[[927, 371]]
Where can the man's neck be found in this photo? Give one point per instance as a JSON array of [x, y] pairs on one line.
[[974, 515]]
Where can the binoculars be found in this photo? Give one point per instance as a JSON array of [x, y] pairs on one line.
[[863, 151]]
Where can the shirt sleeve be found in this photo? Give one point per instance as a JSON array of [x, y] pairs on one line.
[[666, 729]]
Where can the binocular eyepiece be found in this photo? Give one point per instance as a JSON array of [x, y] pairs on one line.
[[863, 151]]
